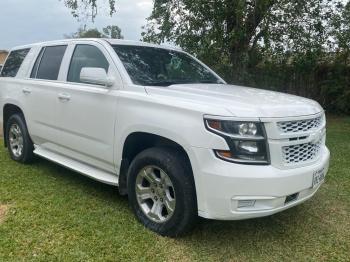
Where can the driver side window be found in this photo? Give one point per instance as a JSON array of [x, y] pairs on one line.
[[85, 56]]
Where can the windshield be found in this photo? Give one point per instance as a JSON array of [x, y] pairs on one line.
[[150, 66]]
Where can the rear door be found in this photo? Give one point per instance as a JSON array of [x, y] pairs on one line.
[[39, 91], [86, 113], [11, 79]]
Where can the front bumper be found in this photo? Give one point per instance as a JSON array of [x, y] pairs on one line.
[[221, 185]]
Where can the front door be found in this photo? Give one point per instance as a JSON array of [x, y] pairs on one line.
[[86, 113]]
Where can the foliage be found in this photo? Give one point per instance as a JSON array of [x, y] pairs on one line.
[[239, 29], [87, 9], [278, 44], [85, 33], [111, 31], [298, 46], [341, 28]]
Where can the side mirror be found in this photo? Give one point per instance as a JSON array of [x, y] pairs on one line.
[[95, 76]]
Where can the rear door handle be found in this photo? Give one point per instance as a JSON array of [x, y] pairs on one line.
[[64, 97], [26, 91]]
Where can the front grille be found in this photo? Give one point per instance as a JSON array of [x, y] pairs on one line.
[[301, 153], [300, 125]]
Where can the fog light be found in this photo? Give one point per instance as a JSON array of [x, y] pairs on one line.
[[246, 203]]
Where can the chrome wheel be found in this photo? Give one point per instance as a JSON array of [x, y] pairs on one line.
[[155, 194], [16, 140]]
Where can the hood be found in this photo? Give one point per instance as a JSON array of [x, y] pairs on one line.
[[241, 101]]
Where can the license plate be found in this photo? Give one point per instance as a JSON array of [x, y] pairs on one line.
[[318, 177]]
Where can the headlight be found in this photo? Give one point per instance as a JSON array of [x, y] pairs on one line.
[[246, 140]]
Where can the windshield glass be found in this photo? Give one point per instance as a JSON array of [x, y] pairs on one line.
[[150, 66]]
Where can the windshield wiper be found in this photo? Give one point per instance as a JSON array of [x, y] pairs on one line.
[[177, 82], [161, 83], [209, 82]]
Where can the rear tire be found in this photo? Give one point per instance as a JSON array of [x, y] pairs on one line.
[[18, 141], [161, 191]]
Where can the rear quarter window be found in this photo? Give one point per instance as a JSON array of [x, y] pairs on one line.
[[14, 62], [48, 62]]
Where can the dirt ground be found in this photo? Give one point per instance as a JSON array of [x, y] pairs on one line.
[[3, 211]]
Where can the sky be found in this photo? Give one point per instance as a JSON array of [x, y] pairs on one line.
[[30, 21]]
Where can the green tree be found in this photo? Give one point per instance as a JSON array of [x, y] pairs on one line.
[[240, 32], [86, 33], [87, 9], [337, 91], [341, 29], [113, 31]]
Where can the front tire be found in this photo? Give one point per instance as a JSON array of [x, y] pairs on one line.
[[18, 141], [161, 191]]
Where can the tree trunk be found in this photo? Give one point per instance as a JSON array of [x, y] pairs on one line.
[[241, 29], [239, 61]]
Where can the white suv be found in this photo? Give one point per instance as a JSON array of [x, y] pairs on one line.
[[164, 128]]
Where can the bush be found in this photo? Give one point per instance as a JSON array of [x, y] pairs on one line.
[[324, 80]]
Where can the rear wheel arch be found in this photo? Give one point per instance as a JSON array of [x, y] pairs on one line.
[[8, 111], [137, 142], [20, 145]]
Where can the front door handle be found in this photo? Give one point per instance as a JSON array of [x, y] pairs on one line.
[[64, 97], [26, 91]]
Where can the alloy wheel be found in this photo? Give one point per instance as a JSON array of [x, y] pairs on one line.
[[155, 194], [16, 140]]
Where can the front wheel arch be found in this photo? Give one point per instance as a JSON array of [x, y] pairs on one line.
[[137, 142], [172, 163]]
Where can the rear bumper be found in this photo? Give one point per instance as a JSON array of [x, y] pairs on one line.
[[221, 186]]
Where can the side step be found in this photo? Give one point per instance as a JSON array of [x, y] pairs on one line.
[[86, 170]]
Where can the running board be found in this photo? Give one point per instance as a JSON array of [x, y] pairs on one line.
[[86, 170]]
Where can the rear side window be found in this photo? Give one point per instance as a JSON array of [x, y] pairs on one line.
[[47, 65], [86, 56], [37, 63], [14, 62]]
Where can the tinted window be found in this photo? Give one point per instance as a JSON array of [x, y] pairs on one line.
[[162, 67], [14, 62], [37, 63], [50, 62], [86, 56]]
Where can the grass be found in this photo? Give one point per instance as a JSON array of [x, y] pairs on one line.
[[48, 213]]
